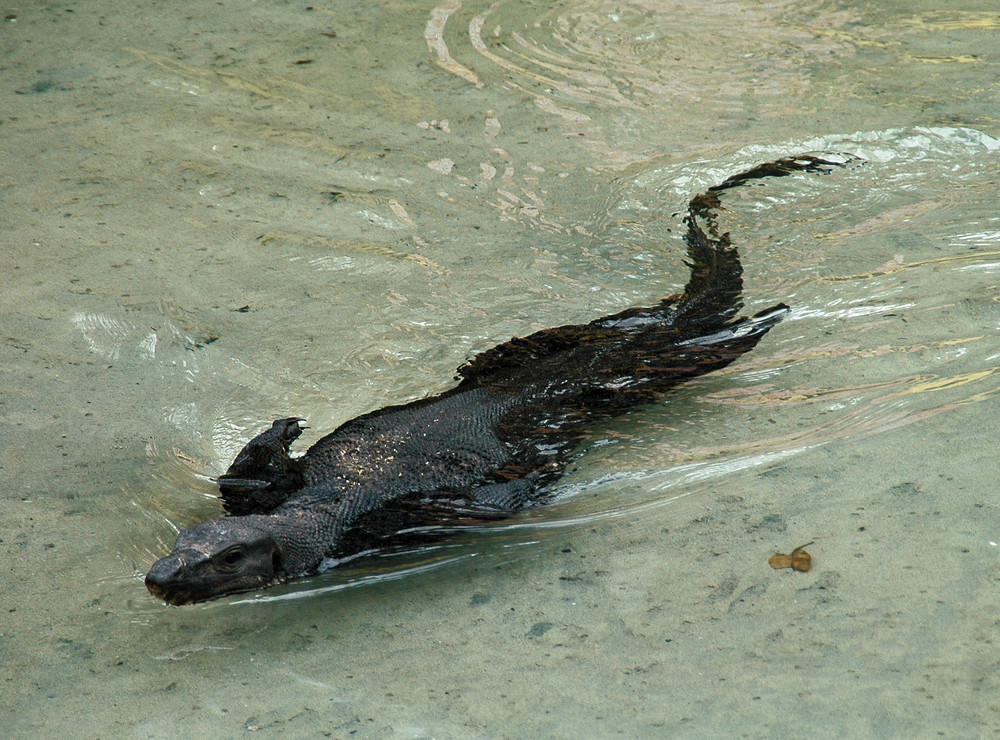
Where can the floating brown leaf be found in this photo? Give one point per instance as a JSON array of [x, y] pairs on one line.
[[798, 560]]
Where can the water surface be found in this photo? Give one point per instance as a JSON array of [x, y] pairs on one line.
[[221, 214]]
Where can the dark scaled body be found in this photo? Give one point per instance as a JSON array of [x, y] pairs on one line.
[[482, 450]]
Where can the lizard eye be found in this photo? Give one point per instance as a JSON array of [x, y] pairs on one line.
[[232, 557]]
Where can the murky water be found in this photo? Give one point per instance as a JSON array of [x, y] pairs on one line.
[[220, 214]]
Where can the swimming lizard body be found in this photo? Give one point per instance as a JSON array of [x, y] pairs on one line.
[[482, 450]]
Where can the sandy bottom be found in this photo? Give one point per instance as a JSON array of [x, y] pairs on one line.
[[216, 216]]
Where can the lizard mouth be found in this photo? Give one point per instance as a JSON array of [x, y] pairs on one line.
[[170, 595], [169, 580], [162, 580]]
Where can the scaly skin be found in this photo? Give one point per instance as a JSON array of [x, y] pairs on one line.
[[483, 450]]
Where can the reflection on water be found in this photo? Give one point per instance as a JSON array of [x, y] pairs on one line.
[[215, 220], [635, 56]]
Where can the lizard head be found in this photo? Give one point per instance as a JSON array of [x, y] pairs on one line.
[[214, 558]]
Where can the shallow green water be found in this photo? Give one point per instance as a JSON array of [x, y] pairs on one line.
[[220, 214]]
